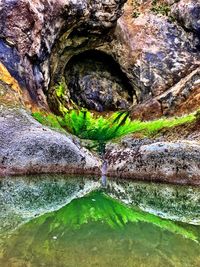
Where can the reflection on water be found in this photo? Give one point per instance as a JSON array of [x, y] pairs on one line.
[[75, 222]]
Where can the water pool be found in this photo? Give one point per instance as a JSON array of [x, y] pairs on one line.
[[63, 221]]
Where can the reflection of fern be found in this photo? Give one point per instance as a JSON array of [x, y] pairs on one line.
[[99, 207]]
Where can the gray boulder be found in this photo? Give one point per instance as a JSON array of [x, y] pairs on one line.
[[27, 147]]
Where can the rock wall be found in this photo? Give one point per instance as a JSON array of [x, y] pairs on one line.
[[159, 54], [154, 45], [30, 29]]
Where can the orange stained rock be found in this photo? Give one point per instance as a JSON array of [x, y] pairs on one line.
[[6, 77]]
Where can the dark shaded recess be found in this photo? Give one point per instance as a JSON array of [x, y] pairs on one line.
[[91, 39], [96, 81], [10, 58]]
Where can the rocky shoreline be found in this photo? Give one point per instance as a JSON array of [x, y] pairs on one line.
[[154, 49], [27, 147], [166, 162]]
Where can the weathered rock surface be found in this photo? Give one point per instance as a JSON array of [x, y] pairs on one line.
[[29, 30], [161, 161], [176, 162], [27, 147], [153, 71], [182, 98], [96, 82], [156, 52], [187, 12]]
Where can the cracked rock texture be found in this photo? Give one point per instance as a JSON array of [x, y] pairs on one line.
[[158, 53]]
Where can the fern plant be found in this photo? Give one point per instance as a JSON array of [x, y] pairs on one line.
[[100, 129], [87, 125]]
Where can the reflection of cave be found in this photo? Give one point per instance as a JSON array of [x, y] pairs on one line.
[[95, 81]]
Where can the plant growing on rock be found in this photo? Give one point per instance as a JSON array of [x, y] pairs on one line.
[[101, 129], [160, 8], [87, 125], [136, 8]]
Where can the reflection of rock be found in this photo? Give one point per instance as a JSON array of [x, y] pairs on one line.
[[26, 197], [28, 147], [179, 203], [99, 227]]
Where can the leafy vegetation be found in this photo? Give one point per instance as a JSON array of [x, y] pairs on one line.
[[60, 90], [88, 125], [160, 8], [136, 12], [100, 129], [47, 119]]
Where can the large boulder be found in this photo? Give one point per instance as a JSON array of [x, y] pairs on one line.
[[156, 52], [28, 147], [170, 162]]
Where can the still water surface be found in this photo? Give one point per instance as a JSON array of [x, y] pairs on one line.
[[63, 221]]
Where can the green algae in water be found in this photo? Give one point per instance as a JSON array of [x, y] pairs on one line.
[[97, 230]]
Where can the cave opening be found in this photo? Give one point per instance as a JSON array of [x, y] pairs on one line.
[[95, 81]]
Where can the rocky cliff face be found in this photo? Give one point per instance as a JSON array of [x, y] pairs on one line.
[[157, 45], [28, 32], [145, 59], [30, 29], [154, 51]]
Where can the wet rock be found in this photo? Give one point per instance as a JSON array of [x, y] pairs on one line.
[[27, 147]]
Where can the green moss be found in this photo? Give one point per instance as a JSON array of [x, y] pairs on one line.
[[160, 8], [136, 8], [47, 119], [60, 90]]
